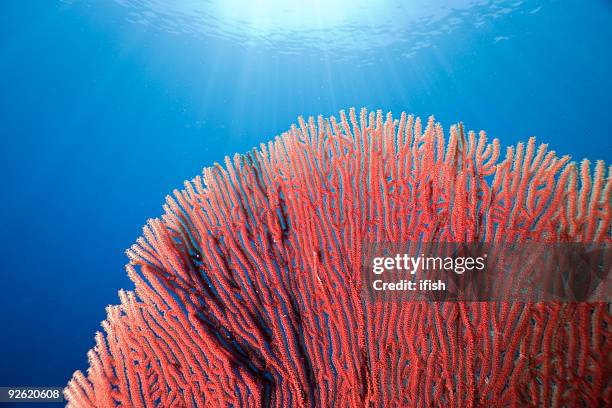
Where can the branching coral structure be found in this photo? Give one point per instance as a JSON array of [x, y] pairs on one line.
[[248, 291]]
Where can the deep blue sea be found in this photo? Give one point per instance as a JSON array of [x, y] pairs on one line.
[[106, 106]]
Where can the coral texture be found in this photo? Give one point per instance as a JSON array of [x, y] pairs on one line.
[[248, 291]]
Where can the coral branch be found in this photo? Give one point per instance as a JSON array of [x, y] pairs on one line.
[[248, 291]]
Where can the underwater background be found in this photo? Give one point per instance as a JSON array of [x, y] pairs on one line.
[[106, 106]]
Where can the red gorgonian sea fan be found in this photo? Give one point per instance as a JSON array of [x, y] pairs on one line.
[[248, 291]]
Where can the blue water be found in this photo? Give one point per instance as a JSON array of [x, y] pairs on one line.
[[105, 107]]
